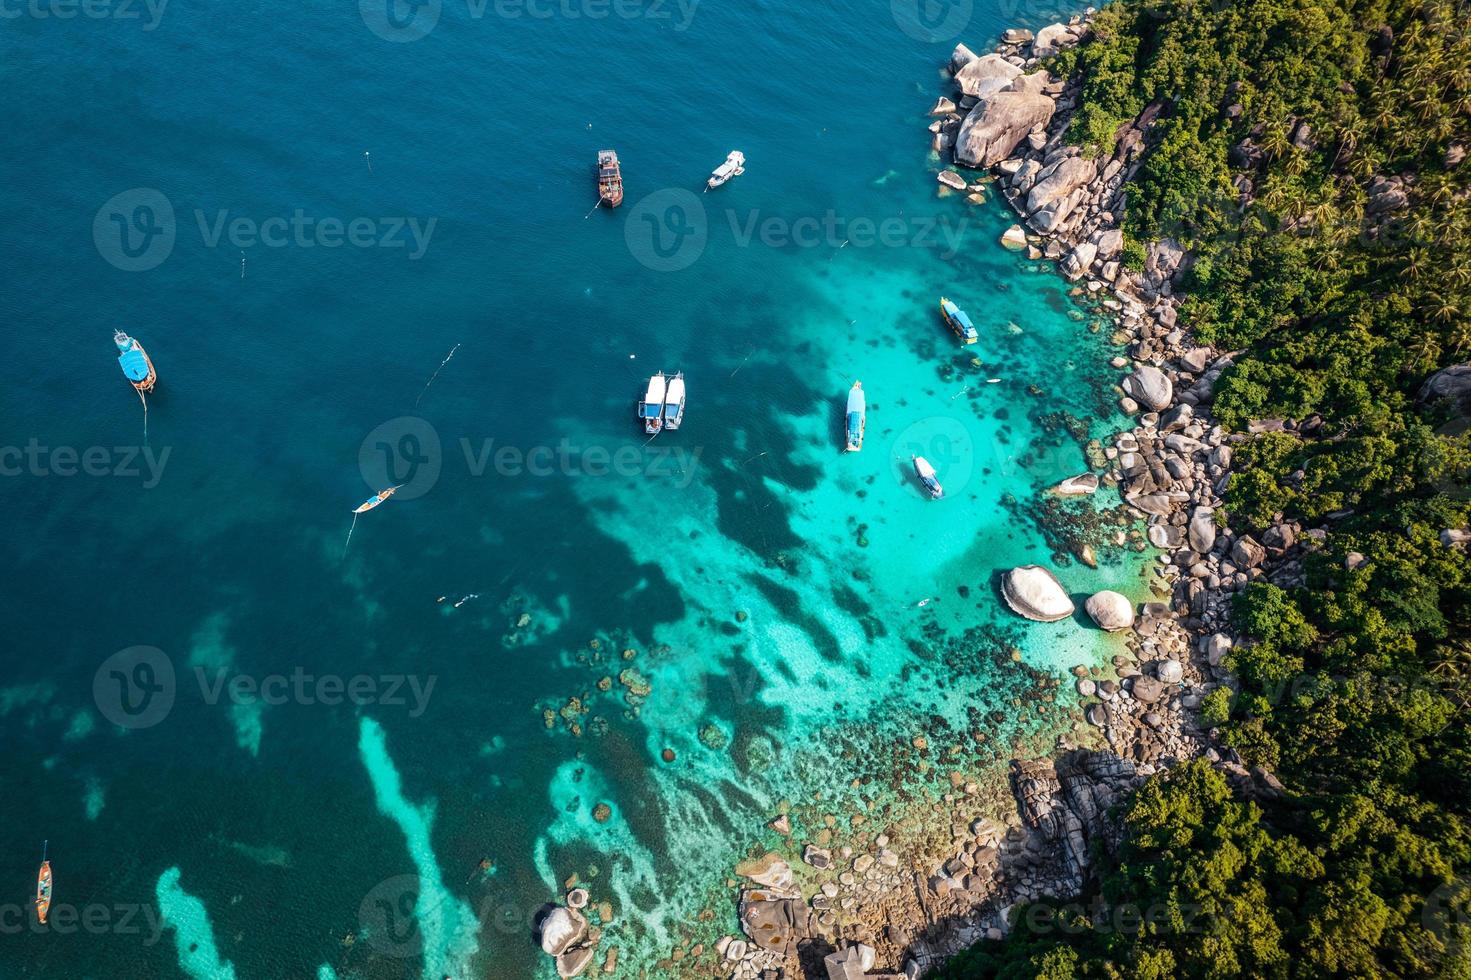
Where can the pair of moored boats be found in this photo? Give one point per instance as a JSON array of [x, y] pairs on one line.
[[857, 422], [610, 175], [663, 403]]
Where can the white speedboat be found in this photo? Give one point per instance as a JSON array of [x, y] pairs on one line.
[[674, 402], [651, 409], [926, 474], [734, 166], [857, 416]]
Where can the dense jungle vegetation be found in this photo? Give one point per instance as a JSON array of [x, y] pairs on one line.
[[1309, 154]]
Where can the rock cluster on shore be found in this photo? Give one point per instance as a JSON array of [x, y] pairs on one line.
[[1010, 116]]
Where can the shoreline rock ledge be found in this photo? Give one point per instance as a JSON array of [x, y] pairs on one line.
[[1034, 592]]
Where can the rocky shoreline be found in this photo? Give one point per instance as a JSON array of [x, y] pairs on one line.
[[858, 912]]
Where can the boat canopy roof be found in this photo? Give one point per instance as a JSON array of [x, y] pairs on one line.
[[856, 401], [134, 364], [656, 389], [732, 163], [675, 393]]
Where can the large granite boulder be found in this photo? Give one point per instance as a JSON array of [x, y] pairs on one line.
[[1110, 610], [1077, 486], [1034, 592], [1059, 189], [1150, 386], [1247, 553], [997, 126], [773, 923], [769, 870], [573, 962], [1164, 260], [1202, 531], [985, 76], [1452, 383], [960, 57], [1052, 39], [562, 929]]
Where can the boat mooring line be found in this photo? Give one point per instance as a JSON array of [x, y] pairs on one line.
[[436, 374]]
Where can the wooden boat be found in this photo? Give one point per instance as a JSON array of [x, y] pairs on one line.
[[134, 361], [43, 887], [375, 500], [857, 416], [674, 402], [958, 322], [610, 179], [926, 474], [651, 409], [733, 167]]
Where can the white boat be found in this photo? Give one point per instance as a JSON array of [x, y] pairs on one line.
[[674, 402], [857, 416], [926, 474], [651, 409], [734, 166]]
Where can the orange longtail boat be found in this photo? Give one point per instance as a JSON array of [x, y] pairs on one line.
[[43, 887]]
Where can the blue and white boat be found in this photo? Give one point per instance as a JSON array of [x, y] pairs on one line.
[[134, 361], [651, 409], [958, 322], [926, 474], [674, 402], [857, 416]]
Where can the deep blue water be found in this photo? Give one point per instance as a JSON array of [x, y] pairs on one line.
[[220, 544]]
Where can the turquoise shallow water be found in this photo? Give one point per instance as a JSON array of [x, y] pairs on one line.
[[770, 584]]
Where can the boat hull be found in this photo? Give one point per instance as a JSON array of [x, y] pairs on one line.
[[925, 473], [857, 417], [134, 360], [956, 327], [43, 892], [610, 179]]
